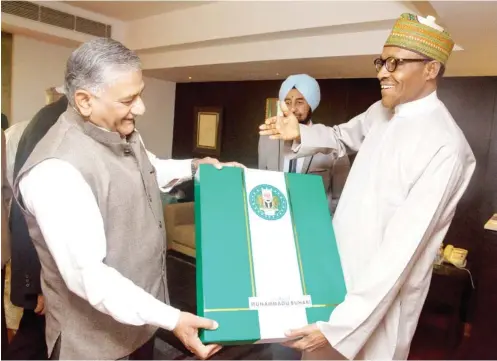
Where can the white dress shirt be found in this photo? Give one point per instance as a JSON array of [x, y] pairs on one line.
[[65, 208], [289, 150], [288, 156]]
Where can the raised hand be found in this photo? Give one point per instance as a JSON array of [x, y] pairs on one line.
[[284, 127]]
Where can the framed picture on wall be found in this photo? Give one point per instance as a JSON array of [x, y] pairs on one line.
[[271, 107], [207, 130]]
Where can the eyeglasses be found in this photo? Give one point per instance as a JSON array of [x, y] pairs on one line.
[[391, 63]]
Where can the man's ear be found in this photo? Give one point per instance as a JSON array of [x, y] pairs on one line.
[[432, 70], [82, 100]]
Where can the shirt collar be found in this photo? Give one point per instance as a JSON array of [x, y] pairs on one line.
[[100, 134], [418, 106], [89, 125]]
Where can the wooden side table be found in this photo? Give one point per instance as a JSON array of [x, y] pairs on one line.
[[446, 305], [483, 341]]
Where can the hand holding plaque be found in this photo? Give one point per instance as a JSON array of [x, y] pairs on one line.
[[187, 332]]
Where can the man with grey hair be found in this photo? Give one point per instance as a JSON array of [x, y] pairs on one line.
[[90, 196]]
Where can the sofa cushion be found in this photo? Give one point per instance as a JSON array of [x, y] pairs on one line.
[[185, 235]]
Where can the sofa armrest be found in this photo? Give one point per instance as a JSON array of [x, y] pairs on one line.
[[178, 214]]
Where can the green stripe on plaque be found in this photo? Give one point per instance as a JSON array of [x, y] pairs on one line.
[[224, 265], [320, 267]]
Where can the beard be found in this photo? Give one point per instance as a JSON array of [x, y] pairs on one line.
[[307, 118]]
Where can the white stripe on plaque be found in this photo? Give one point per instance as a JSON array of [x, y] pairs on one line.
[[279, 299]]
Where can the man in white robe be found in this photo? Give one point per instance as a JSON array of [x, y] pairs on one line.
[[412, 167]]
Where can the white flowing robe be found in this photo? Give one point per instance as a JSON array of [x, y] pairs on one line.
[[398, 202]]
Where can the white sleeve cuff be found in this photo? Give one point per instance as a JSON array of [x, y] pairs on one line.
[[327, 330], [166, 317], [172, 172], [183, 168], [296, 146]]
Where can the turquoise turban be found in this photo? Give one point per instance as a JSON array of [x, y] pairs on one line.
[[306, 85]]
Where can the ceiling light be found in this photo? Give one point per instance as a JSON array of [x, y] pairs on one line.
[[190, 77]]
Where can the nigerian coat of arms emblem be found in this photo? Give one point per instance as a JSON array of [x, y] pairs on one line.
[[268, 202]]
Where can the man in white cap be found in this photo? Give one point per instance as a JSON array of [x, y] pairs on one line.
[[412, 168], [302, 95]]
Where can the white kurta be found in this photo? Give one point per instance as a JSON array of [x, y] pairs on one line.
[[55, 191], [399, 199]]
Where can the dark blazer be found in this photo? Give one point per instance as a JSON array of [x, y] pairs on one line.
[[25, 283]]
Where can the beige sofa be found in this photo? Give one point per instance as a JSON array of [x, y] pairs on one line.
[[180, 227]]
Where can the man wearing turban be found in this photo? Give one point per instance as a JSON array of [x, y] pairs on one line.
[[302, 95], [412, 167]]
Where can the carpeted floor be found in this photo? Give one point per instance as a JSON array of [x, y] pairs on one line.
[[164, 351]]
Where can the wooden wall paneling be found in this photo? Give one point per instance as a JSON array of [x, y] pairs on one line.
[[332, 109], [471, 103], [243, 103], [484, 330], [361, 94], [489, 205]]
